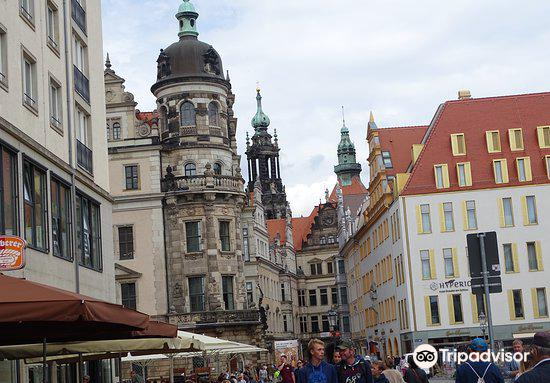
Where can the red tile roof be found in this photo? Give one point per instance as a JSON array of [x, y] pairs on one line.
[[355, 188], [148, 117], [474, 117], [301, 227], [276, 227], [399, 141]]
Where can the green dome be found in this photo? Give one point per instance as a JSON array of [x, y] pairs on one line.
[[187, 6], [260, 120]]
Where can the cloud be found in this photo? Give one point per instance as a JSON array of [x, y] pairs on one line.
[[400, 59]]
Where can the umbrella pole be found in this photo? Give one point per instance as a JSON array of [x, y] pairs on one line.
[[44, 363], [171, 369]]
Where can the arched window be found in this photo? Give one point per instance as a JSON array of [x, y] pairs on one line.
[[163, 118], [187, 114], [213, 114], [116, 131], [217, 169], [190, 170]]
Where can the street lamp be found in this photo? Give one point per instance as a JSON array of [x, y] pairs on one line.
[[482, 323], [333, 320]]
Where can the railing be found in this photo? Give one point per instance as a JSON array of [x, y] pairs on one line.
[[189, 130], [84, 156], [200, 182], [215, 131], [81, 84], [79, 15], [236, 317]]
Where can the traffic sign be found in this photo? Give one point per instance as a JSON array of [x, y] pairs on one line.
[[492, 262]]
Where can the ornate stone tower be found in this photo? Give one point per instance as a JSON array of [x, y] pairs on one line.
[[263, 165], [203, 188], [347, 167]]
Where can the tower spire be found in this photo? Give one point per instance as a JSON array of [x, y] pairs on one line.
[[260, 121], [108, 62], [187, 16]]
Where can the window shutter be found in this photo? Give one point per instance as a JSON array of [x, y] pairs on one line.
[[450, 309], [501, 213], [419, 227], [489, 139], [535, 302], [445, 171], [511, 304], [473, 299], [455, 263], [427, 311], [524, 210], [433, 273], [539, 256], [441, 218], [515, 259], [454, 144], [468, 171], [528, 173], [465, 216], [512, 138], [504, 167]]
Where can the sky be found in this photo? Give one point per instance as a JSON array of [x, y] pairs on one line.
[[397, 58]]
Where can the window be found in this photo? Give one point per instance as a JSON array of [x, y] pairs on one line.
[[128, 293], [55, 104], [326, 323], [8, 193], [79, 55], [493, 141], [316, 268], [246, 245], [213, 114], [285, 323], [464, 173], [249, 294], [515, 301], [480, 304], [314, 323], [441, 176], [341, 266], [117, 131], [302, 298], [303, 324], [330, 267], [432, 310], [84, 155], [193, 236], [283, 292], [540, 303], [330, 239], [547, 160], [225, 239], [52, 26], [345, 323], [506, 212], [35, 197], [187, 114], [3, 57], [227, 288], [447, 217], [500, 170], [534, 256], [126, 242], [334, 295], [448, 258], [456, 313], [543, 133], [423, 219], [510, 259], [344, 295], [131, 174], [61, 213], [324, 296], [313, 297], [516, 139], [78, 13], [88, 232], [458, 144], [428, 266], [27, 9], [196, 293], [524, 169], [190, 170], [471, 218], [386, 158], [530, 210], [30, 94], [217, 168], [323, 240]]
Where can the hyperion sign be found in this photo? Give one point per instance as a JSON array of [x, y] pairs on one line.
[[12, 253]]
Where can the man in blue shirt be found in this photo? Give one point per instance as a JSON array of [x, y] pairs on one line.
[[475, 372], [317, 370]]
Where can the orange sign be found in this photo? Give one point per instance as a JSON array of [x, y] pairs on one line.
[[12, 253]]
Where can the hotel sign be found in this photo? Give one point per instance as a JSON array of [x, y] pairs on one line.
[[12, 253], [451, 286]]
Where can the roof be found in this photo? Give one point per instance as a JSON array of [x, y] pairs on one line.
[[474, 117], [398, 141], [301, 227], [356, 188], [149, 118], [276, 227]]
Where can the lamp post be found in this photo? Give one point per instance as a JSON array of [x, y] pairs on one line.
[[482, 323], [333, 319]]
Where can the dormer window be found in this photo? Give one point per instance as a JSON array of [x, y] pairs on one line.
[[187, 114], [386, 158], [213, 114]]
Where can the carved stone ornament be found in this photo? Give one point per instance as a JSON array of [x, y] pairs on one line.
[[128, 97], [109, 95], [144, 130]]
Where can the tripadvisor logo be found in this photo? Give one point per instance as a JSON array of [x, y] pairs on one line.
[[425, 356]]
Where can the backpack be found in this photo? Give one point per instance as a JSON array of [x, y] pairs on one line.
[[480, 379]]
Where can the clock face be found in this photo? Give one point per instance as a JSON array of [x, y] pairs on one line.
[[328, 220]]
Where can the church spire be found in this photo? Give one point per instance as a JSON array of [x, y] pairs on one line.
[[260, 121], [187, 16]]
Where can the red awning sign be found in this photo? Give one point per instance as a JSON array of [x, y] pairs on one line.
[[12, 253]]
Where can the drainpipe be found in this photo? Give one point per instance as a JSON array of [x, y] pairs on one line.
[[68, 89], [168, 290]]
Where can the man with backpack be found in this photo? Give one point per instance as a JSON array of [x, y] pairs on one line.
[[352, 368], [478, 372]]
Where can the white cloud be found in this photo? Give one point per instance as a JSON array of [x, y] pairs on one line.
[[398, 58]]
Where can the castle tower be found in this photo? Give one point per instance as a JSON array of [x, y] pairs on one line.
[[347, 167]]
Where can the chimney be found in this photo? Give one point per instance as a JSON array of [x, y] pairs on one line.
[[464, 95]]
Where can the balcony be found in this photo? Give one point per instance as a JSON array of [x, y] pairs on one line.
[[84, 157], [78, 14], [192, 183], [216, 318], [82, 84]]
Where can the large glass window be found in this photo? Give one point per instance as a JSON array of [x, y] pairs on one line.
[[187, 114], [316, 268], [314, 323], [225, 238], [324, 296], [193, 236], [213, 114], [131, 174], [27, 9], [35, 197], [88, 232], [301, 298], [128, 293], [196, 293], [61, 213], [126, 242], [313, 297], [8, 193], [227, 287]]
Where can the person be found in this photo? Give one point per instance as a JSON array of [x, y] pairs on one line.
[[352, 368], [86, 379], [336, 357], [135, 378], [299, 364], [317, 370], [473, 372], [377, 375], [263, 375], [241, 378], [286, 371], [393, 375], [511, 369], [413, 373], [540, 356]]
